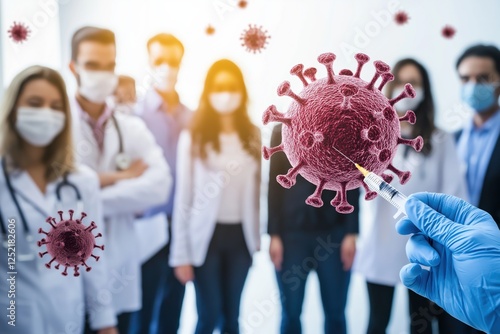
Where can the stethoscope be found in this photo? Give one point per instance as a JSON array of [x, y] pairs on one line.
[[29, 237], [122, 160]]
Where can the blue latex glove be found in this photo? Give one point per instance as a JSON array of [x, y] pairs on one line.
[[461, 245]]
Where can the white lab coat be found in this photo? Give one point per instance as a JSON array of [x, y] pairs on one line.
[[381, 250], [152, 234], [46, 301], [196, 206], [124, 199]]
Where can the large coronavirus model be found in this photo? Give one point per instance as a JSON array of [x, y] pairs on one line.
[[340, 112], [69, 242]]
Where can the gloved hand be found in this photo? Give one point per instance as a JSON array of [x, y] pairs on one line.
[[461, 245]]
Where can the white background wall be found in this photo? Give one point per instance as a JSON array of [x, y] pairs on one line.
[[300, 30]]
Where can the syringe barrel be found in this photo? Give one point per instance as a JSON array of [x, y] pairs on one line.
[[388, 192]]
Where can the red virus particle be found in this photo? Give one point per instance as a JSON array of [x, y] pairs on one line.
[[19, 32], [344, 112], [242, 3], [254, 39], [448, 31], [401, 17], [69, 242], [210, 30]]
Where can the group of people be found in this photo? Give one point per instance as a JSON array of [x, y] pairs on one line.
[[176, 196]]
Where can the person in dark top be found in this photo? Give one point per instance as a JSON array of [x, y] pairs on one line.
[[305, 238]]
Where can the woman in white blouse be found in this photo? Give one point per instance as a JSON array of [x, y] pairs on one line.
[[381, 252], [216, 212]]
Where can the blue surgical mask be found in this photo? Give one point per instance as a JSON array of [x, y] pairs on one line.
[[479, 96]]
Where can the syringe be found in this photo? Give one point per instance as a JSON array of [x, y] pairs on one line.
[[382, 188]]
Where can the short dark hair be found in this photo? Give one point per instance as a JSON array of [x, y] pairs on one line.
[[481, 50], [166, 40], [94, 34]]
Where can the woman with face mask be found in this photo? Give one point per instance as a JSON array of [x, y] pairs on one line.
[[381, 252], [37, 155], [216, 212]]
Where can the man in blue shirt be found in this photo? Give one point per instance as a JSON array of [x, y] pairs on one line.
[[165, 116], [479, 141]]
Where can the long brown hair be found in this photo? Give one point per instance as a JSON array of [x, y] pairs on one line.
[[425, 110], [205, 127], [58, 157]]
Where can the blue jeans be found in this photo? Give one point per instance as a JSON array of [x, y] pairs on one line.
[[304, 252], [219, 281]]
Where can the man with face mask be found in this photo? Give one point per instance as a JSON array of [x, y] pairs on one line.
[[132, 171], [165, 115], [479, 141]]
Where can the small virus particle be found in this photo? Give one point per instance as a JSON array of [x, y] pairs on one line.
[[19, 32], [69, 242], [210, 30], [401, 17], [340, 112], [242, 3], [254, 39], [448, 31]]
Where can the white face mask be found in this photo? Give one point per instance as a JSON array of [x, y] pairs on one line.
[[39, 126], [96, 86], [408, 103], [165, 77], [225, 102]]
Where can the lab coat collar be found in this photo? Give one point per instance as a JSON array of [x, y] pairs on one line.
[[25, 188], [105, 115]]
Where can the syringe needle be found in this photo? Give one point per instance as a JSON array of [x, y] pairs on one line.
[[384, 189], [361, 169], [336, 149]]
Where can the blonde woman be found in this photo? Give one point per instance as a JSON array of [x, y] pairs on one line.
[[36, 155]]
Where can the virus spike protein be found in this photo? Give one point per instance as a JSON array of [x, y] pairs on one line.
[[69, 242], [345, 112]]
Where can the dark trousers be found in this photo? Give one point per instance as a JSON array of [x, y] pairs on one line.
[[380, 299], [422, 313], [304, 252], [162, 296], [219, 281]]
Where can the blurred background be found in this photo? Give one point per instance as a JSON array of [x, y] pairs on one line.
[[300, 30]]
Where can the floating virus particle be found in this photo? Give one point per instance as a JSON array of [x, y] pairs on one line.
[[448, 31], [19, 32], [210, 30], [242, 3], [254, 39], [69, 242], [344, 112], [401, 17]]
